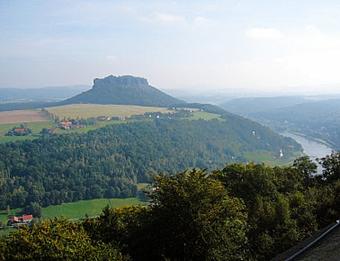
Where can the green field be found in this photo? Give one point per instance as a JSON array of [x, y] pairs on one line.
[[86, 111], [202, 115], [77, 210], [93, 207]]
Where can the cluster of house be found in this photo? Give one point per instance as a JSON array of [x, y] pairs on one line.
[[17, 221], [70, 124]]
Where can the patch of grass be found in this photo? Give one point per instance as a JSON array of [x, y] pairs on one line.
[[93, 207], [86, 111], [4, 214], [202, 115]]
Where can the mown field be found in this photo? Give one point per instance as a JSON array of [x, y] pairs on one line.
[[20, 116], [85, 111]]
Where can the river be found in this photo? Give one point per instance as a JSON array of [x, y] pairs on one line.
[[312, 148]]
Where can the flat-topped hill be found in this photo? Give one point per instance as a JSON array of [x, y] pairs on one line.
[[124, 90]]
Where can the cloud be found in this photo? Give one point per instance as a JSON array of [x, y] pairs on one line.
[[264, 33]]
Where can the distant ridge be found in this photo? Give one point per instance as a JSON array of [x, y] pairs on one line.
[[124, 90]]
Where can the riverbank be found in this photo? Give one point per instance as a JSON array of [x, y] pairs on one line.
[[313, 148]]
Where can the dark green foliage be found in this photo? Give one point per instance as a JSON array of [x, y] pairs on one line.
[[190, 217], [197, 219], [110, 161], [284, 204], [246, 212], [55, 240], [34, 209], [241, 212]]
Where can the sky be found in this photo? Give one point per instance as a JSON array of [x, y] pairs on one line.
[[193, 45]]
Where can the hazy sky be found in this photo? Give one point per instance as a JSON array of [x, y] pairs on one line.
[[254, 45]]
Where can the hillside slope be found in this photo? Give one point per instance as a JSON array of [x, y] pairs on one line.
[[109, 162], [123, 90]]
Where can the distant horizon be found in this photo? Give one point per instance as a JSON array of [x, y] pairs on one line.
[[210, 91]]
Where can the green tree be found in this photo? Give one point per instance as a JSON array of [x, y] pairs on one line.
[[55, 240], [195, 219], [33, 208]]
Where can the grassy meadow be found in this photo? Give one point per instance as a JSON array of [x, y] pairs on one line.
[[78, 209], [91, 208], [85, 111], [202, 115]]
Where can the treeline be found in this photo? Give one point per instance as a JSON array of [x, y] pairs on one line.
[[241, 212], [110, 161]]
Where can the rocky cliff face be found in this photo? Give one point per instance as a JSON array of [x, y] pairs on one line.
[[123, 81]]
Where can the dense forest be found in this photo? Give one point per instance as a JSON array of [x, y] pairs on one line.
[[110, 161], [240, 212]]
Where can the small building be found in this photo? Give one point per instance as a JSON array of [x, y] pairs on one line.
[[19, 131], [17, 220], [65, 125]]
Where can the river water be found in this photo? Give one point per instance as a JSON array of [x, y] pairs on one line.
[[312, 148]]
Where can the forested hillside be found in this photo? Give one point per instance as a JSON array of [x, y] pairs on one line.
[[110, 161]]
